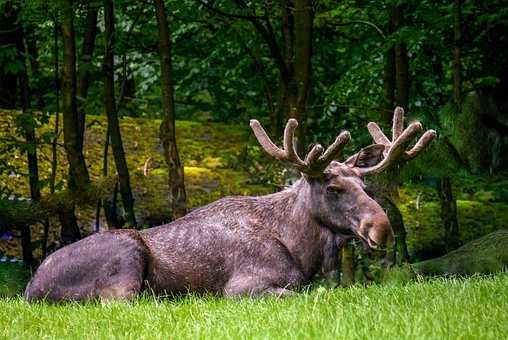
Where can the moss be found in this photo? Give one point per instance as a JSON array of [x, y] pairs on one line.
[[484, 255]]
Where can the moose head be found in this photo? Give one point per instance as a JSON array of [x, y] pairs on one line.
[[337, 197]]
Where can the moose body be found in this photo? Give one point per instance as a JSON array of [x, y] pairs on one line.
[[270, 244], [233, 246]]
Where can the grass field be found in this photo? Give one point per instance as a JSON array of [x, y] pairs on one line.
[[474, 308]]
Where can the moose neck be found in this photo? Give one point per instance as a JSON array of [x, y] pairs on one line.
[[297, 229]]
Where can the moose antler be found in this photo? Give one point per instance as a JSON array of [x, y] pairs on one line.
[[316, 160], [395, 149]]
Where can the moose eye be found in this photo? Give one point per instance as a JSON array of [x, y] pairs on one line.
[[334, 189]]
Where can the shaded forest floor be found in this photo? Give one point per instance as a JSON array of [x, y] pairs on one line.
[[223, 160], [473, 308]]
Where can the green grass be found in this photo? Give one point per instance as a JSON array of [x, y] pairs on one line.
[[474, 308]]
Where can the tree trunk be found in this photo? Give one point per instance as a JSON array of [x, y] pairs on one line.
[[389, 73], [70, 231], [449, 214], [299, 87], [8, 34], [304, 17], [111, 111], [167, 128], [73, 139], [401, 62], [400, 252], [31, 150], [348, 264], [457, 52], [287, 89], [54, 155], [85, 63], [389, 86]]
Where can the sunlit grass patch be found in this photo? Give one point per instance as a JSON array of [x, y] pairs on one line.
[[452, 308]]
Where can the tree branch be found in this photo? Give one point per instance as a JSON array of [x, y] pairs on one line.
[[226, 14], [363, 22]]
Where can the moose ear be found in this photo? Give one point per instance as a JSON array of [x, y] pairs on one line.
[[366, 157]]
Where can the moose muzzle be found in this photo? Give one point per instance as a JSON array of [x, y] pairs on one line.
[[376, 231]]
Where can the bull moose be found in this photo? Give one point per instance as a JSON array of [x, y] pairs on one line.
[[251, 246]]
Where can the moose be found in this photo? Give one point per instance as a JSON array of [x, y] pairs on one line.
[[235, 246]]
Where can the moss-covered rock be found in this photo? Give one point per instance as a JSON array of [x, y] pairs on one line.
[[478, 144], [487, 254]]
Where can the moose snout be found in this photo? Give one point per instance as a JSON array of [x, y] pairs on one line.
[[377, 232]]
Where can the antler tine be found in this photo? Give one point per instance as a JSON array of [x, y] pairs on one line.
[[398, 122], [422, 143], [377, 134], [288, 154], [395, 150], [289, 146], [335, 148], [314, 154], [265, 141]]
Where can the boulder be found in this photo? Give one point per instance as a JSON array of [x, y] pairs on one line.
[[485, 255]]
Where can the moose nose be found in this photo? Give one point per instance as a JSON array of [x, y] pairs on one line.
[[377, 232]]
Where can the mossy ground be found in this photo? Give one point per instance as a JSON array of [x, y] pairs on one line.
[[482, 207], [211, 153], [223, 160]]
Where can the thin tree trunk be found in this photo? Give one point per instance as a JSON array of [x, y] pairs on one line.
[[73, 141], [449, 214], [348, 265], [29, 131], [85, 63], [389, 86], [111, 111], [400, 251], [304, 18], [401, 62], [167, 128], [56, 131], [8, 32], [286, 90], [389, 74], [457, 52]]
